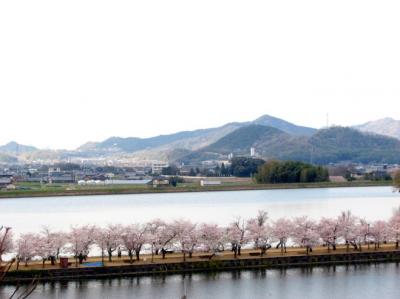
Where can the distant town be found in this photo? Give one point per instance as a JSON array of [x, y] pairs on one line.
[[239, 170]]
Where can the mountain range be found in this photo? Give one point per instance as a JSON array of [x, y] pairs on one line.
[[271, 137]]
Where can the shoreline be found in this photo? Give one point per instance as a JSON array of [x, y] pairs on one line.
[[187, 189], [247, 261]]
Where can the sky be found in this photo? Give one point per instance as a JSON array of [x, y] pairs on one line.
[[77, 71]]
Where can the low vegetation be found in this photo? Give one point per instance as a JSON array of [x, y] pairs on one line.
[[397, 180]]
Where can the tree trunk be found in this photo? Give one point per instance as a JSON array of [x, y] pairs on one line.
[[137, 252], [130, 256], [109, 256]]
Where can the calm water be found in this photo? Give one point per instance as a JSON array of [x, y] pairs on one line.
[[374, 281], [30, 214], [352, 282]]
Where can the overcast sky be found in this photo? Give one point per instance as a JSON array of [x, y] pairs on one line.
[[73, 71]]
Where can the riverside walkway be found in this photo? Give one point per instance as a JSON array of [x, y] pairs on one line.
[[203, 262]]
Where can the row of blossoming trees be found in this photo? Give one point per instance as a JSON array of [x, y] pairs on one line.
[[160, 237]]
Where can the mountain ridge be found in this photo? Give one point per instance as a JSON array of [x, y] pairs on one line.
[[387, 126]]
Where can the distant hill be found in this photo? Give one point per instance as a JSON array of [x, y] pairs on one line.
[[187, 140], [15, 148], [270, 121], [332, 145], [346, 144], [385, 126], [241, 140], [4, 158], [272, 138]]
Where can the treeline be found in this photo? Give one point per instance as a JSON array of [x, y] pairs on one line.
[[273, 172], [239, 166]]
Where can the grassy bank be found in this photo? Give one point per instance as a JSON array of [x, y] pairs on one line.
[[75, 190]]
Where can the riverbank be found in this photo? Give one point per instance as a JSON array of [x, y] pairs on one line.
[[73, 190], [250, 259]]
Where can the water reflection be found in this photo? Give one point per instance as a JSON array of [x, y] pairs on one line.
[[355, 281]]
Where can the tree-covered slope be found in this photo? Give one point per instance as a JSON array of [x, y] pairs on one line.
[[336, 144]]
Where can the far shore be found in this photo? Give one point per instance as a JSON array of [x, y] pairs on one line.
[[73, 190]]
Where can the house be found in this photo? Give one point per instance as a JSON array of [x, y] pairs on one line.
[[5, 180]]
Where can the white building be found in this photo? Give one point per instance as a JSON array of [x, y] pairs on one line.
[[158, 166]]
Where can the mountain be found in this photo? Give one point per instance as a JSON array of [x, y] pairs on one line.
[[270, 121], [332, 145], [186, 140], [15, 148], [338, 144], [385, 126], [241, 140]]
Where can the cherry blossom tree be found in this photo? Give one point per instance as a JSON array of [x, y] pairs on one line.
[[109, 239], [362, 233], [25, 248], [81, 238], [347, 229], [236, 233], [281, 231], [133, 238], [394, 226], [305, 233], [6, 241], [328, 231], [211, 237], [260, 232], [160, 236], [186, 236], [379, 231], [49, 244]]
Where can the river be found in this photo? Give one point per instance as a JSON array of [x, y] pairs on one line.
[[367, 281], [31, 214]]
